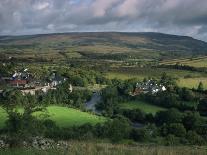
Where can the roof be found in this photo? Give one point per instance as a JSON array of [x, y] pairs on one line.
[[18, 82]]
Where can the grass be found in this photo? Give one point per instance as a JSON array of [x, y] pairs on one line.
[[92, 148], [62, 116], [66, 117], [192, 82], [3, 117], [146, 107], [194, 62], [141, 73]]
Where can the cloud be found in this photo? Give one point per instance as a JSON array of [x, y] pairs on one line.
[[184, 17]]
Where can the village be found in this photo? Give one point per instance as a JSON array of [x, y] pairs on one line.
[[149, 86], [27, 84]]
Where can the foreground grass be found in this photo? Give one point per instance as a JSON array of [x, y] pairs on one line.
[[146, 107], [62, 116], [90, 148]]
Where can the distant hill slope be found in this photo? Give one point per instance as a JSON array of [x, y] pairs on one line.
[[103, 45]]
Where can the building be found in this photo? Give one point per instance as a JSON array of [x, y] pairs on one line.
[[18, 83], [149, 86]]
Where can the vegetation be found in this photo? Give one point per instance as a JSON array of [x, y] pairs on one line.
[[101, 148], [109, 68], [146, 107]]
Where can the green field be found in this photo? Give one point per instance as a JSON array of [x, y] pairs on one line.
[[194, 62], [146, 107], [3, 117], [192, 82], [187, 79], [63, 116]]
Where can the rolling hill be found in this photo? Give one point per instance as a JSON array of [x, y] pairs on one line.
[[100, 45]]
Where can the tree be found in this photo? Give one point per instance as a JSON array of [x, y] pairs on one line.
[[187, 95], [192, 120], [21, 126], [167, 80], [118, 129], [176, 129], [168, 117], [194, 139], [200, 87], [202, 107]]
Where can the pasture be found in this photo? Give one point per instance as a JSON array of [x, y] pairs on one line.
[[192, 82], [189, 79], [194, 62], [62, 116], [146, 107]]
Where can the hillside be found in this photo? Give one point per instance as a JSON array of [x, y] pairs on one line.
[[108, 45]]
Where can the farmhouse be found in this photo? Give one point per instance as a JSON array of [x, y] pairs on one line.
[[18, 83], [149, 86], [56, 79]]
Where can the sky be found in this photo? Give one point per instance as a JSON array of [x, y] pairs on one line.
[[180, 17]]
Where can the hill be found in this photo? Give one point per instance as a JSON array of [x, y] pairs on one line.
[[100, 45]]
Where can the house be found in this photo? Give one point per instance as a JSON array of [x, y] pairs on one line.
[[18, 83], [70, 88], [149, 86], [28, 91], [56, 79]]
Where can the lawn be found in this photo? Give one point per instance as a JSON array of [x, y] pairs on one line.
[[146, 107], [62, 116]]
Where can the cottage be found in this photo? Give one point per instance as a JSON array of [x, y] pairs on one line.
[[149, 86], [18, 83]]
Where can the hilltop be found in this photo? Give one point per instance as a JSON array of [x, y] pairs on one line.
[[101, 45]]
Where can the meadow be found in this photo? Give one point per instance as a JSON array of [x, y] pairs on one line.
[[146, 107], [194, 62], [100, 148], [62, 116], [189, 79], [192, 82]]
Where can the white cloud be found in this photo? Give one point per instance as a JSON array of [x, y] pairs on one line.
[[42, 5]]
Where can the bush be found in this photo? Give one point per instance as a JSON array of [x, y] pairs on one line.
[[176, 129], [194, 139]]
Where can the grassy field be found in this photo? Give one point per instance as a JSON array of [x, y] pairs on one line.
[[194, 62], [92, 148], [62, 116], [137, 72], [3, 117], [192, 81], [146, 107]]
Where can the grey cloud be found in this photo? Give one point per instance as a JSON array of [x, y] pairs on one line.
[[184, 17]]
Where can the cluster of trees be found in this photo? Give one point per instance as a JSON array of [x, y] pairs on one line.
[[82, 77], [61, 95], [180, 125], [174, 97], [184, 67]]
